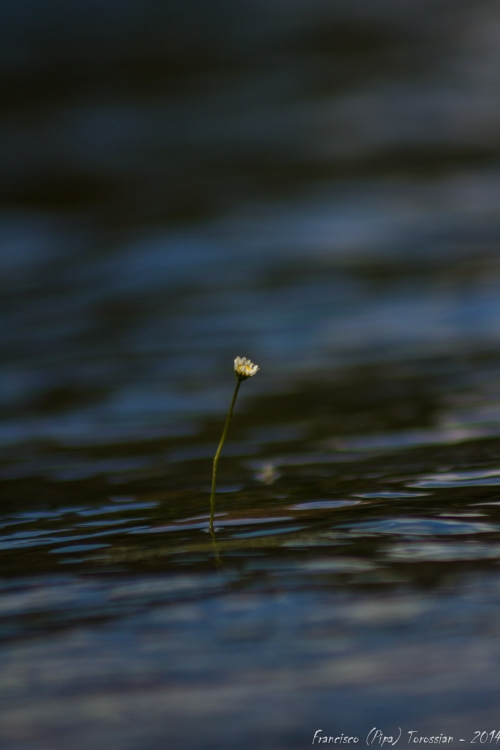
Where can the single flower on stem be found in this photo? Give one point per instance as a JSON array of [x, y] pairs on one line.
[[243, 369]]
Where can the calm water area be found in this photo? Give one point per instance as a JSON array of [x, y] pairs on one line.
[[316, 186]]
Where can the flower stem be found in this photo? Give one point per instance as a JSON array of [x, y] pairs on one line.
[[216, 458]]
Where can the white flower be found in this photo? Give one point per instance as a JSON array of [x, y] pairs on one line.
[[244, 368]]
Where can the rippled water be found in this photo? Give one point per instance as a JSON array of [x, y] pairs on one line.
[[317, 190]]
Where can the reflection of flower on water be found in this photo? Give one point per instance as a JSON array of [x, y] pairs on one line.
[[267, 474], [244, 368]]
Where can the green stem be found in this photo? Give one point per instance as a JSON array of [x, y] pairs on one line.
[[216, 458]]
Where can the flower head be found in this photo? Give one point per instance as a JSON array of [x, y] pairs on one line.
[[244, 368]]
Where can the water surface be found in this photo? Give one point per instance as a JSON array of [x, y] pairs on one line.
[[318, 191]]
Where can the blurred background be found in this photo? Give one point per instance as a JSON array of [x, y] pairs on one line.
[[315, 185]]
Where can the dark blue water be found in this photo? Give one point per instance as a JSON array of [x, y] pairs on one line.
[[311, 185]]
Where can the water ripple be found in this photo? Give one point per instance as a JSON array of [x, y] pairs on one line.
[[486, 478], [420, 527]]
